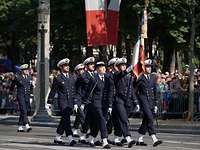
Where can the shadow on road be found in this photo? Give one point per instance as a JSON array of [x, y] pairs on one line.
[[78, 145]]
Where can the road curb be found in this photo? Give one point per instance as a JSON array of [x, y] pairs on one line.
[[160, 129]]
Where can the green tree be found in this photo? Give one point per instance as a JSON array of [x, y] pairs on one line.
[[18, 29], [68, 29]]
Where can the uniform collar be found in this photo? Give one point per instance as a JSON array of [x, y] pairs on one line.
[[65, 74], [24, 76], [147, 76], [101, 76], [91, 73]]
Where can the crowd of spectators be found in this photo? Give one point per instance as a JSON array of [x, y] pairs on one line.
[[173, 91], [8, 102]]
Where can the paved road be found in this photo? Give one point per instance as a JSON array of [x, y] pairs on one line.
[[41, 138]]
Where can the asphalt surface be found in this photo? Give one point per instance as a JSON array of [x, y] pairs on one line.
[[179, 126], [41, 138]]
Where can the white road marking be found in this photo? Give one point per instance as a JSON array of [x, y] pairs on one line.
[[176, 134], [180, 142], [176, 148], [50, 146]]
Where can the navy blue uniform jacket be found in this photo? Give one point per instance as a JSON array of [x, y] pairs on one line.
[[125, 92], [146, 91], [82, 86], [99, 97], [65, 88], [24, 87]]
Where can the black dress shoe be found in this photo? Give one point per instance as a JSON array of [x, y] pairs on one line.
[[72, 143], [141, 143], [98, 143], [76, 135], [118, 144], [157, 143], [92, 145], [107, 146], [59, 142], [123, 141], [20, 131], [83, 142], [29, 129], [130, 144], [111, 142]]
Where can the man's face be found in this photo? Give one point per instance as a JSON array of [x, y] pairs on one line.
[[91, 67], [109, 69], [121, 67], [65, 68], [148, 69], [81, 71], [101, 70], [25, 72], [174, 79]]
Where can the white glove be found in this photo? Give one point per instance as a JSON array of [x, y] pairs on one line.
[[137, 108], [11, 97], [110, 111], [48, 106], [82, 107], [49, 109], [155, 109], [34, 84], [76, 108]]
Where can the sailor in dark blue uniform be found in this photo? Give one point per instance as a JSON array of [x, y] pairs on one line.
[[124, 98], [97, 102], [64, 86], [80, 116], [146, 91], [24, 83], [81, 90], [115, 119]]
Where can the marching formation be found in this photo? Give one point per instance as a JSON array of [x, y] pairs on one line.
[[102, 98], [97, 94]]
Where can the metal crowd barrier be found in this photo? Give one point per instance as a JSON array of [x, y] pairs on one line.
[[10, 107], [172, 108], [177, 106]]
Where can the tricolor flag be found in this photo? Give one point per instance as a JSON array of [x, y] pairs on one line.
[[96, 22], [135, 59], [113, 21], [138, 58], [141, 57], [139, 53]]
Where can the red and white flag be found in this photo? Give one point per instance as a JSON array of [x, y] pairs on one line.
[[139, 49], [135, 59], [113, 21], [96, 22], [141, 57], [138, 58]]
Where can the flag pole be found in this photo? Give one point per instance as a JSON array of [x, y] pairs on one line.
[[144, 27], [139, 48]]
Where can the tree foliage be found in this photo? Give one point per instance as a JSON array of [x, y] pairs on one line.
[[169, 25], [18, 26]]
